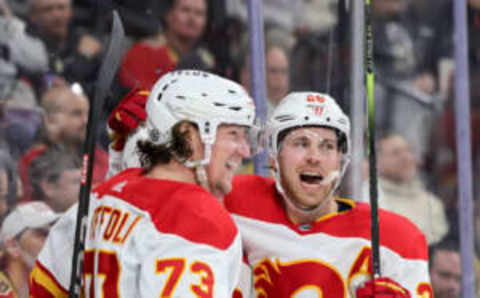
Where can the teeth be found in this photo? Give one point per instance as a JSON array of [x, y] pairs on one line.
[[311, 174], [232, 165]]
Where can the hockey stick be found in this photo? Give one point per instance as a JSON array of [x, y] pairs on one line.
[[370, 89], [105, 78]]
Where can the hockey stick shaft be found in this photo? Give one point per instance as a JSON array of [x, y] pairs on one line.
[[105, 78], [370, 90]]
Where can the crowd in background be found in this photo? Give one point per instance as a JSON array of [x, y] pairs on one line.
[[51, 51]]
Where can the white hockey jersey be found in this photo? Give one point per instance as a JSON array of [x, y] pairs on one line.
[[327, 258], [153, 238]]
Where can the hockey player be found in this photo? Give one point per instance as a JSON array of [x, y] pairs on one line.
[[339, 268], [300, 239], [138, 243]]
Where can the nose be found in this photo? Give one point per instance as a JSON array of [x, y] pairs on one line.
[[244, 148], [314, 155]]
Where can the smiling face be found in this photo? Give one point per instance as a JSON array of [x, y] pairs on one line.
[[309, 160], [230, 147]]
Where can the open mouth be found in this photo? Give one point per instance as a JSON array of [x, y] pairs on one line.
[[311, 178]]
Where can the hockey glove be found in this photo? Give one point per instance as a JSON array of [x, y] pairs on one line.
[[382, 287], [126, 117]]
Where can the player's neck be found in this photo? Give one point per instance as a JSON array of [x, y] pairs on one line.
[[173, 171], [180, 45], [302, 218]]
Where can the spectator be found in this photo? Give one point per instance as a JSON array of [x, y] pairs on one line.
[[185, 22], [8, 183], [277, 73], [402, 191], [20, 55], [281, 13], [19, 126], [26, 51], [445, 270], [320, 61], [444, 151], [22, 235], [74, 54], [55, 178], [406, 81], [64, 125]]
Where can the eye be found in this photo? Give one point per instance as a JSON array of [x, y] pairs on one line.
[[303, 143], [328, 145]]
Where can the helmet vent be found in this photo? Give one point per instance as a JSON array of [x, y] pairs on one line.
[[165, 87], [204, 94], [283, 118], [235, 108], [232, 91], [159, 97], [181, 97], [328, 119], [306, 118], [218, 104]]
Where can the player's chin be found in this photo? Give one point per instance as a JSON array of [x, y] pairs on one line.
[[222, 187], [309, 201]]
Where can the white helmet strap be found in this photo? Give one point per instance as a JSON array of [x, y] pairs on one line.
[[312, 214]]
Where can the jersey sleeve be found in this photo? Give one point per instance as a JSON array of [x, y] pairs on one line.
[[51, 275], [405, 255]]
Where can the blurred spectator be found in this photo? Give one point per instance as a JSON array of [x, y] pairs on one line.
[[22, 235], [406, 85], [442, 21], [19, 8], [64, 125], [24, 50], [277, 73], [445, 270], [321, 63], [185, 22], [280, 13], [8, 183], [20, 55], [55, 178], [444, 151], [401, 44], [19, 127], [402, 191], [73, 54]]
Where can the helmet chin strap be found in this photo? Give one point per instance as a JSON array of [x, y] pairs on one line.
[[199, 167]]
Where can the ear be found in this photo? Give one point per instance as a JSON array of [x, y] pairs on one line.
[[194, 140], [12, 247]]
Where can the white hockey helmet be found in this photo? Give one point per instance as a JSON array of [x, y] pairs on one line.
[[299, 109], [303, 109], [200, 97]]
